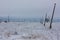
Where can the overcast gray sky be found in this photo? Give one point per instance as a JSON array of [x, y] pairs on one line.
[[28, 8]]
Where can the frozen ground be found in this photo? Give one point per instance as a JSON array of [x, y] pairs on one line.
[[29, 31]]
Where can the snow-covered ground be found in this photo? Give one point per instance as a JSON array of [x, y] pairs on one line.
[[29, 31]]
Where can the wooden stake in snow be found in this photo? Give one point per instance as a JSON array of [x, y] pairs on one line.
[[8, 18], [45, 19], [52, 15]]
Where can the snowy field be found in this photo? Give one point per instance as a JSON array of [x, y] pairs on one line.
[[29, 31]]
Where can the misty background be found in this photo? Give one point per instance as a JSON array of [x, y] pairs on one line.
[[29, 8]]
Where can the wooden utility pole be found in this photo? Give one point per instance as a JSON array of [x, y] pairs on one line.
[[52, 15]]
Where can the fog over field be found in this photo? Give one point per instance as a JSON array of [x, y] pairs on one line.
[[29, 19], [29, 8]]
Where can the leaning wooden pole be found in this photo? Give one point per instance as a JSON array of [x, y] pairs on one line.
[[52, 15]]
